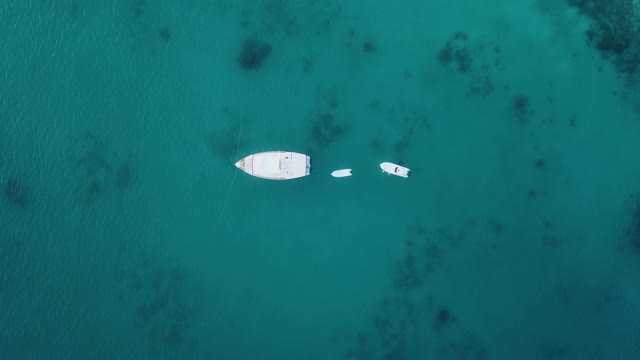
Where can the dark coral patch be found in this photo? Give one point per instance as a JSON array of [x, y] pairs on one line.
[[325, 129], [254, 53], [164, 34], [481, 86], [495, 226], [445, 55], [163, 302], [369, 47], [464, 60], [633, 232], [124, 176], [613, 31], [443, 319], [520, 107], [456, 51], [16, 192], [465, 347], [407, 275], [139, 7]]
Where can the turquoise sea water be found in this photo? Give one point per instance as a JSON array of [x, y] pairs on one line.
[[516, 237]]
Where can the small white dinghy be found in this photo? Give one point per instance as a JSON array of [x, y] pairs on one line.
[[395, 169], [341, 173]]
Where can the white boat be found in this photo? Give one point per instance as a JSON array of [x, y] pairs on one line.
[[395, 169], [276, 165], [341, 173]]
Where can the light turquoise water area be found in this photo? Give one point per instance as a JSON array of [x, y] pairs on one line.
[[516, 237]]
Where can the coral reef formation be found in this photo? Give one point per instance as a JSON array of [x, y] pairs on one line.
[[614, 31], [253, 54]]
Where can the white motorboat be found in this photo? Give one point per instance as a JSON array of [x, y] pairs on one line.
[[276, 165], [341, 173], [395, 169]]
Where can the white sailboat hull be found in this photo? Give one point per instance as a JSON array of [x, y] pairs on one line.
[[276, 165], [395, 169]]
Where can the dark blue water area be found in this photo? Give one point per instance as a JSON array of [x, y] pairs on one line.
[[127, 233]]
